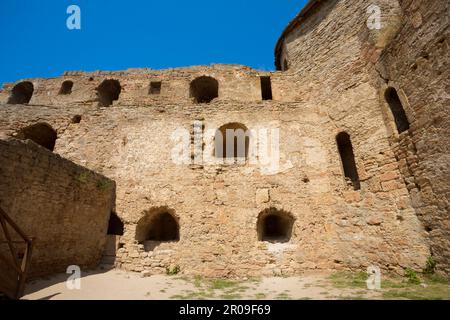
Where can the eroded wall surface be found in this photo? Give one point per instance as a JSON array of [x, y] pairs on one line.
[[217, 206], [416, 63], [338, 72], [63, 206]]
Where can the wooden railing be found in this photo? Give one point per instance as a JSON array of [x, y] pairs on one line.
[[15, 265]]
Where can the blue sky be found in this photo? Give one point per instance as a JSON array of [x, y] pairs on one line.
[[120, 34]]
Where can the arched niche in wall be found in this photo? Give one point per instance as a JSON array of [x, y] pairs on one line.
[[21, 93], [41, 133], [204, 89], [157, 226], [275, 226], [108, 92], [115, 225], [66, 87]]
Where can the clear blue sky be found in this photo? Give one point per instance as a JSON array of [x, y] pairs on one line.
[[121, 34]]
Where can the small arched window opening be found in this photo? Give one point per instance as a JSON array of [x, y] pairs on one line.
[[401, 120], [204, 89], [275, 226], [115, 225], [232, 141], [41, 133], [158, 225], [66, 87], [21, 93], [108, 92], [348, 159]]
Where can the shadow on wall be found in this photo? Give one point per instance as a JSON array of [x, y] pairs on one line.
[[41, 133]]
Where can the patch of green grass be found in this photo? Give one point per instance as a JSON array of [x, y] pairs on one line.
[[357, 297], [260, 296], [349, 280], [412, 276], [173, 270], [198, 281], [283, 296], [220, 284], [433, 287], [200, 295], [430, 267], [393, 283], [412, 295], [437, 279]]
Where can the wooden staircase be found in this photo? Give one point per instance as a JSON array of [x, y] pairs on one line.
[[15, 257]]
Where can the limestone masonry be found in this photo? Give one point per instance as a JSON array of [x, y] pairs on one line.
[[364, 155]]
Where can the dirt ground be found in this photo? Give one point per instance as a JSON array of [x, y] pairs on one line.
[[119, 285]]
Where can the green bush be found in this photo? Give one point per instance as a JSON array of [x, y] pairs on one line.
[[412, 277], [430, 267], [173, 270]]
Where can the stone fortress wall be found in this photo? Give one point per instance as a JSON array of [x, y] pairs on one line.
[[241, 220], [64, 207]]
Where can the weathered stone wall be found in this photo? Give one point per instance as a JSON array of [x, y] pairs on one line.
[[63, 206], [331, 86], [416, 64], [217, 206], [236, 82], [330, 41]]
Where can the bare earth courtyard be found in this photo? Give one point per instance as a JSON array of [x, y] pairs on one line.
[[120, 285]]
